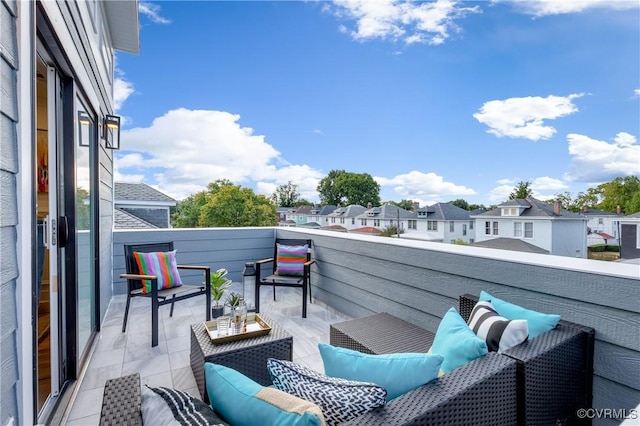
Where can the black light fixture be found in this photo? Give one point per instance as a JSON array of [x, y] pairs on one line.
[[111, 131], [249, 285], [84, 129]]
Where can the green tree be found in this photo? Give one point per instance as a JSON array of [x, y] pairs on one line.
[[589, 199], [567, 201], [83, 208], [521, 191], [473, 207], [403, 204], [224, 204], [623, 192], [460, 203], [187, 211], [234, 206], [345, 188], [286, 195]]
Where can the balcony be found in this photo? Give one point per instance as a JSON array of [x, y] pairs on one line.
[[358, 275]]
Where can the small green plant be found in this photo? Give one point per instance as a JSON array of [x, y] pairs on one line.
[[219, 284], [234, 299]]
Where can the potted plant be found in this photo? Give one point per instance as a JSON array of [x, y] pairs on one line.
[[238, 309], [218, 285]]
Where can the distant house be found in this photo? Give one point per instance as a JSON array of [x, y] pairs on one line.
[[320, 215], [630, 237], [602, 226], [442, 222], [547, 226], [137, 205], [345, 216], [383, 217], [298, 215]]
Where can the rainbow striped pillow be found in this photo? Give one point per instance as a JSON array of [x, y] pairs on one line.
[[290, 260], [161, 264]]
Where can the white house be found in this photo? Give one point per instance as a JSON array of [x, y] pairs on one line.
[[384, 217], [442, 222], [602, 227], [533, 225], [56, 114], [344, 218]]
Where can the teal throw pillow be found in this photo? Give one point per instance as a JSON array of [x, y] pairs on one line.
[[456, 342], [538, 322], [398, 373], [243, 402]]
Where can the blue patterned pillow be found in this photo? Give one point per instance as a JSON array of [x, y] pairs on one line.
[[340, 400]]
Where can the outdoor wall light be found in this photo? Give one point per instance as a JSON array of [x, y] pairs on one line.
[[111, 131], [84, 129]]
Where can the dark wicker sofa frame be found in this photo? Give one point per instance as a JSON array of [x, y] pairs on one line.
[[542, 381], [554, 372]]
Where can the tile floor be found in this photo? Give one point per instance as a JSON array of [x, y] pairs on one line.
[[116, 353]]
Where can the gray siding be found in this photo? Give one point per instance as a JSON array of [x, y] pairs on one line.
[[419, 282], [8, 213], [226, 248]]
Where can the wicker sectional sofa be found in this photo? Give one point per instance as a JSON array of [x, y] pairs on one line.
[[542, 381], [554, 374]]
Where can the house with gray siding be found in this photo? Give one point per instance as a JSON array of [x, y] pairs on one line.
[[143, 202], [630, 237], [57, 79], [546, 226]]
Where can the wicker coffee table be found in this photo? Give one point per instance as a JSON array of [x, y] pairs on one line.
[[248, 356]]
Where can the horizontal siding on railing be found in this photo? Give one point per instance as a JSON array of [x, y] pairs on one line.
[[226, 248], [418, 281]]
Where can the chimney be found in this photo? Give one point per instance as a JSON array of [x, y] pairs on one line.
[[369, 206], [584, 209], [416, 206], [557, 207], [618, 209]]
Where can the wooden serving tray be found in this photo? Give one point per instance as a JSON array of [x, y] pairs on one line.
[[256, 326]]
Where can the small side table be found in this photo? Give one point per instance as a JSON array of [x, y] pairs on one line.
[[248, 356]]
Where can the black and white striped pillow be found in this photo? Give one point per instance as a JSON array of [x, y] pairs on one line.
[[498, 332]]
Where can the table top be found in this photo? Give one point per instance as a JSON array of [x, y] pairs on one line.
[[384, 333], [208, 348]]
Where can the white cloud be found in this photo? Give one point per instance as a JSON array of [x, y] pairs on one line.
[[184, 150], [558, 7], [416, 185], [542, 188], [152, 11], [524, 117], [594, 160], [122, 89], [411, 22], [636, 92]]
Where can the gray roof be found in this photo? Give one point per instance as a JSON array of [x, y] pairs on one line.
[[513, 244], [125, 220], [596, 212], [124, 191], [445, 211], [536, 208], [387, 211], [519, 202], [303, 210], [350, 211]]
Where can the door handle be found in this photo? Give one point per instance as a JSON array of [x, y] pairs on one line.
[[63, 231]]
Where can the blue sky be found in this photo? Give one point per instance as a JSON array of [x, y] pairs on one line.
[[436, 100]]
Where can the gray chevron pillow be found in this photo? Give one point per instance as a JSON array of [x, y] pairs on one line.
[[340, 400]]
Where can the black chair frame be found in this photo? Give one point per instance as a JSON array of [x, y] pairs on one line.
[[160, 297], [275, 280]]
